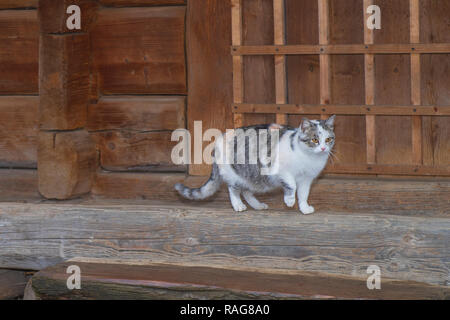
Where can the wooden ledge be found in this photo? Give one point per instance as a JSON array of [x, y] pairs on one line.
[[165, 281]]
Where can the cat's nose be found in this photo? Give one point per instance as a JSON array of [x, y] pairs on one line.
[[323, 148]]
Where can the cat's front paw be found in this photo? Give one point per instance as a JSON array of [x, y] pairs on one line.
[[290, 201], [306, 209], [261, 206], [239, 207]]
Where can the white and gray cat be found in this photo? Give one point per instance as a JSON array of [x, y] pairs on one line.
[[302, 154]]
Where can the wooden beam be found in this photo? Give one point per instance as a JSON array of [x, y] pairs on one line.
[[390, 169], [12, 284], [66, 164], [19, 47], [323, 49], [326, 242], [137, 113], [18, 185], [416, 82], [64, 81], [123, 281], [141, 3], [280, 60], [18, 131], [343, 109], [369, 68], [238, 67], [18, 4], [325, 78]]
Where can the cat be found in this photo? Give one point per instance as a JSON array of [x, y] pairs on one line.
[[301, 155]]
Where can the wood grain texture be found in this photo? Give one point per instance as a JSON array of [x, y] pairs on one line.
[[16, 4], [259, 71], [66, 162], [105, 280], [18, 185], [12, 284], [19, 50], [53, 15], [136, 151], [280, 60], [141, 3], [137, 113], [210, 68], [64, 81], [328, 194], [303, 71], [435, 80], [18, 131], [405, 248], [140, 50]]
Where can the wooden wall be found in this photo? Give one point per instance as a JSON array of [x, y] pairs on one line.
[[19, 60], [139, 83]]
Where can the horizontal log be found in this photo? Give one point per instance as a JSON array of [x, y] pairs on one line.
[[12, 284], [141, 3], [404, 197], [64, 81], [18, 131], [67, 163], [19, 52], [140, 50], [18, 185], [164, 281], [137, 113], [53, 15], [412, 170], [136, 151], [18, 4], [342, 49], [405, 248], [342, 109]]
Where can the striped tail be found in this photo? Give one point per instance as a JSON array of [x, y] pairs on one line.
[[207, 190]]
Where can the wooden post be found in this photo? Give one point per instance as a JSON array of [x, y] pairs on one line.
[[280, 60], [66, 153], [415, 83], [238, 70], [325, 94], [369, 67]]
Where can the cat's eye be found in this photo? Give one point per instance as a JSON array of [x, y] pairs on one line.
[[315, 141], [328, 140]]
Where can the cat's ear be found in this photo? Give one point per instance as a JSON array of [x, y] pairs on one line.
[[306, 123], [330, 122]]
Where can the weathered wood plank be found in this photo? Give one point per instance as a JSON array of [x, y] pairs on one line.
[[12, 284], [165, 281], [137, 113], [405, 248], [279, 11], [19, 50], [66, 162], [64, 81], [18, 131], [136, 151], [53, 15], [18, 4], [140, 50], [208, 53], [141, 3], [371, 195]]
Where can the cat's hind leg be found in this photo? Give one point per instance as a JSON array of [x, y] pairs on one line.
[[235, 198], [253, 202]]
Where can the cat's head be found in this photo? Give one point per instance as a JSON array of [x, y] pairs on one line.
[[317, 136]]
